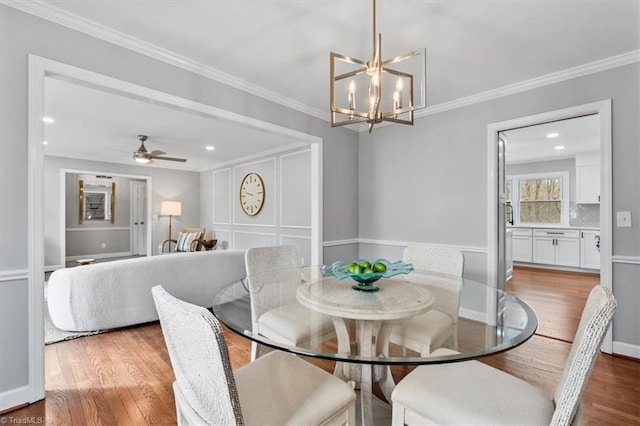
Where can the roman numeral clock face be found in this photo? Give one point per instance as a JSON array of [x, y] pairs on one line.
[[252, 194]]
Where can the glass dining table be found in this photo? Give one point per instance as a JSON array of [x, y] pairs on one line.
[[303, 299]]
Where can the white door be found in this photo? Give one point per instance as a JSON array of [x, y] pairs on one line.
[[138, 215], [502, 225]]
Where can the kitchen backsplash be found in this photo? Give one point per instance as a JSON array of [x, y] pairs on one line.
[[584, 215]]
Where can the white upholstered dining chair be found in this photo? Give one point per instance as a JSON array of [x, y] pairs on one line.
[[277, 389], [426, 332], [471, 392], [273, 275]]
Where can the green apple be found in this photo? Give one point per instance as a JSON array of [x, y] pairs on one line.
[[365, 264], [367, 271], [379, 267], [354, 268]]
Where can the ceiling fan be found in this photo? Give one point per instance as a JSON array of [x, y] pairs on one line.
[[141, 155]]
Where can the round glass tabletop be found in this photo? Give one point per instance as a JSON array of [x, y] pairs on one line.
[[300, 310]]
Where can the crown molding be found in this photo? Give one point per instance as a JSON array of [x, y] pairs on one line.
[[73, 21], [102, 32], [534, 83]]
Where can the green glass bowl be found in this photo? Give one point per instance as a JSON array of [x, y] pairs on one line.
[[339, 270]]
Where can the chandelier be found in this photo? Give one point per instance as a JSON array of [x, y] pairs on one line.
[[384, 90]]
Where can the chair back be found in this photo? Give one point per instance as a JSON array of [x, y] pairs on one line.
[[595, 320], [199, 358], [436, 259], [447, 261], [273, 275]]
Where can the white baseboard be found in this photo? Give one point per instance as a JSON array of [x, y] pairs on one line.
[[626, 349], [13, 398], [472, 315], [51, 268], [98, 256]]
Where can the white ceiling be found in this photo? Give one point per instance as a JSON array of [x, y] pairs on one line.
[[282, 46], [576, 135], [96, 125]]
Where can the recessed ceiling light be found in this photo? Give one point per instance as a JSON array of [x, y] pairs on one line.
[[48, 119], [210, 148], [553, 135], [558, 147], [45, 143]]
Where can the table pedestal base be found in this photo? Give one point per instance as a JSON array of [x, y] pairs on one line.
[[371, 337]]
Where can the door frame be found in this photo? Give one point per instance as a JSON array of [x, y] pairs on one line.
[[38, 69], [603, 109], [63, 206]]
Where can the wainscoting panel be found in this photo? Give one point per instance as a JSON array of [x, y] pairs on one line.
[[302, 245], [243, 240], [222, 197], [224, 239]]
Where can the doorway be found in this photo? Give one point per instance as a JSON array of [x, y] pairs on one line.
[[497, 242], [42, 68]]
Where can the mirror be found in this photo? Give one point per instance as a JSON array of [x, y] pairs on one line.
[[96, 201]]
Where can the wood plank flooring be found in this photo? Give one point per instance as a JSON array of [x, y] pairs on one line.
[[557, 297], [124, 377]]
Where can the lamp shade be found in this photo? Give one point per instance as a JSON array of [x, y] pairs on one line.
[[171, 208]]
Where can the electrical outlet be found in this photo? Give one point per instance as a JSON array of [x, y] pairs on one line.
[[302, 261], [624, 219], [103, 245]]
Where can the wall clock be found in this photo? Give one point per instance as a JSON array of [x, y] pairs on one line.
[[252, 194]]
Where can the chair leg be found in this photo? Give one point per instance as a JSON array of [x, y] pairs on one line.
[[255, 351]]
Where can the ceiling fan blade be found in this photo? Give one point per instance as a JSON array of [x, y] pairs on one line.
[[182, 160], [156, 152]]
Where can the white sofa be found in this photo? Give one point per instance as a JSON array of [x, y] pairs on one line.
[[118, 294]]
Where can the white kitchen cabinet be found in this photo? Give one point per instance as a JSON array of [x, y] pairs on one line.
[[521, 245], [556, 247], [589, 249], [588, 184]]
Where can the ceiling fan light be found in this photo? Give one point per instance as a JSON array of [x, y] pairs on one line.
[[142, 160]]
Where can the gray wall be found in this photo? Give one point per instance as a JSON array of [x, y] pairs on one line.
[[166, 185], [428, 183], [21, 34]]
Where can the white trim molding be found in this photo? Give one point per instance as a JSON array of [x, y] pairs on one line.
[[115, 228], [59, 16], [13, 398], [603, 110], [54, 14], [335, 243], [467, 249], [14, 275], [626, 349], [630, 260]]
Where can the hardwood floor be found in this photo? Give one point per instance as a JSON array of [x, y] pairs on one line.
[[124, 377], [557, 297]]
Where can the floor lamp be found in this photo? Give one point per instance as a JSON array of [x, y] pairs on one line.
[[170, 208]]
